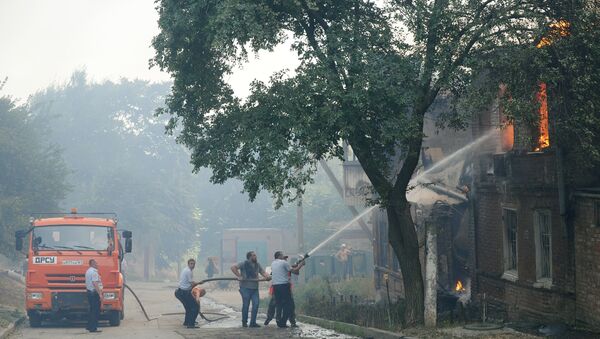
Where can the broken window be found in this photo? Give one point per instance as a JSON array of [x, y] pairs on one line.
[[510, 240], [543, 244]]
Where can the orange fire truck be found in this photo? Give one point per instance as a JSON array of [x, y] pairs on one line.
[[60, 247]]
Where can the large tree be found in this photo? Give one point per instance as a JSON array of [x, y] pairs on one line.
[[368, 73]]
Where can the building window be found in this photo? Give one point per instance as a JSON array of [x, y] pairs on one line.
[[596, 222], [543, 247], [509, 216]]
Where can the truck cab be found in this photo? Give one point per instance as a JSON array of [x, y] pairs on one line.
[[58, 255]]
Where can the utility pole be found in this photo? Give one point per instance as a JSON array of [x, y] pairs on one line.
[[300, 231], [300, 224], [431, 260]]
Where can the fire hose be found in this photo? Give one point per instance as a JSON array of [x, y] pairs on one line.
[[202, 314], [221, 316]]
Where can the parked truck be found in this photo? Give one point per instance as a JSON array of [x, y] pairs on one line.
[[59, 249]]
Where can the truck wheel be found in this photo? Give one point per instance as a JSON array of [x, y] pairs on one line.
[[114, 319], [35, 320]]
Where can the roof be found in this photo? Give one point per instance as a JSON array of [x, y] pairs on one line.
[[74, 220]]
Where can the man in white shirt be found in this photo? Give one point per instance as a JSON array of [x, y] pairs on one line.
[[280, 269], [184, 294], [93, 285]]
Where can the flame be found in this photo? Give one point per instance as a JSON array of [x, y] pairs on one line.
[[507, 128], [559, 29], [459, 286], [542, 98]]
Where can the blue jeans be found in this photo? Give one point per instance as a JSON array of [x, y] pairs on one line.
[[249, 294]]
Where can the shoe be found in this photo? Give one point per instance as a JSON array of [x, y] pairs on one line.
[[95, 331], [267, 321], [254, 325], [192, 326], [244, 325], [282, 326], [294, 326]]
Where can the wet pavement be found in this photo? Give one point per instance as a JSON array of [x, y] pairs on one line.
[[158, 299]]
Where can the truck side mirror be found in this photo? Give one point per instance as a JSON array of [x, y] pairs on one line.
[[128, 245], [19, 240]]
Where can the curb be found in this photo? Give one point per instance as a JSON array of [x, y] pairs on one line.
[[5, 333], [350, 329]]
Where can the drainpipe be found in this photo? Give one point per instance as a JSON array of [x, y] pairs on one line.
[[562, 195]]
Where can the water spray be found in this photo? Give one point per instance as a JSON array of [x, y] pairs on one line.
[[334, 235], [447, 160]]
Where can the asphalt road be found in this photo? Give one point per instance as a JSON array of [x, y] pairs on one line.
[[158, 299]]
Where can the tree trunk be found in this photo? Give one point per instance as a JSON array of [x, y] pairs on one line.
[[403, 239]]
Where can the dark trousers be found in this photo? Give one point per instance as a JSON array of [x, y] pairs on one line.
[[190, 305], [273, 307], [249, 295], [283, 303], [94, 313]]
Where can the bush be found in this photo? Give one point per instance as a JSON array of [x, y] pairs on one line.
[[350, 301]]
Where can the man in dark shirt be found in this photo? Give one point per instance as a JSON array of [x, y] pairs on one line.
[[247, 272]]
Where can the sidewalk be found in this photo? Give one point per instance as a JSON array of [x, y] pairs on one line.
[[11, 304]]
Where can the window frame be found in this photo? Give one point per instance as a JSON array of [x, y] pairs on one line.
[[510, 273], [544, 281], [596, 211]]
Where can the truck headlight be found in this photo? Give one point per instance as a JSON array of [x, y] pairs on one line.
[[109, 295], [35, 295]]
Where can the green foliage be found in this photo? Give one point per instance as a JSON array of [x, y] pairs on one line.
[[368, 73], [351, 301], [321, 289], [32, 171]]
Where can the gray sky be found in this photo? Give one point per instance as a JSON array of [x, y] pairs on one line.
[[44, 41]]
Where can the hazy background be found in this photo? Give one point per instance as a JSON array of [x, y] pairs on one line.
[[77, 129], [44, 41]]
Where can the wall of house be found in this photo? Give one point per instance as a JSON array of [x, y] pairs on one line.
[[587, 259], [524, 182]]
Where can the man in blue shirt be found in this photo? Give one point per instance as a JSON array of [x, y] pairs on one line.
[[280, 270], [247, 272], [184, 294]]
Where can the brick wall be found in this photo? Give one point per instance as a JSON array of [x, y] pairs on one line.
[[587, 261], [526, 186]]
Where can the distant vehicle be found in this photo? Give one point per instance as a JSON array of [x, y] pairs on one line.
[[60, 247]]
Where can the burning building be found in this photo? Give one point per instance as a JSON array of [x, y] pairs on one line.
[[536, 245], [507, 230]]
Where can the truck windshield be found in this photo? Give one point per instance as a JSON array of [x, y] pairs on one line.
[[73, 237]]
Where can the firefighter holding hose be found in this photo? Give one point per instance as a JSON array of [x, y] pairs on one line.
[[184, 294], [247, 273]]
